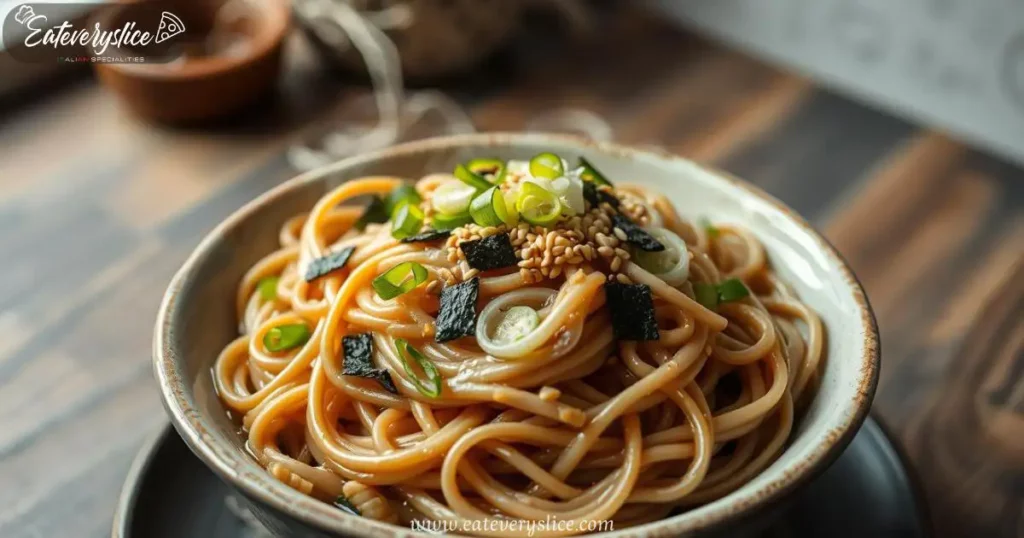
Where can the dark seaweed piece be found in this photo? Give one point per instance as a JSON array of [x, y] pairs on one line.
[[428, 236], [596, 196], [457, 317], [376, 213], [632, 309], [358, 361], [494, 252], [331, 262], [636, 235], [345, 505]]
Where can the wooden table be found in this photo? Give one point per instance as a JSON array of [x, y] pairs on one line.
[[97, 210]]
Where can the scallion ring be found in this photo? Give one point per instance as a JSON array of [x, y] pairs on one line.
[[486, 167], [401, 195], [268, 288], [488, 209], [453, 197], [400, 279], [472, 179], [732, 289], [285, 337], [405, 351], [547, 165], [443, 222], [518, 322], [672, 264], [407, 221], [537, 205]]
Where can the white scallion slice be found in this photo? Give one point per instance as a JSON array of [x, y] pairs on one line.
[[518, 322], [672, 264], [453, 197]]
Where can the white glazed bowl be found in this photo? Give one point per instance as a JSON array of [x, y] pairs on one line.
[[197, 319]]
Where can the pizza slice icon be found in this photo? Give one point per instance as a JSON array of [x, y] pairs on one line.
[[170, 26]]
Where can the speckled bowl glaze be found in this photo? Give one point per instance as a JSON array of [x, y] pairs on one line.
[[197, 319]]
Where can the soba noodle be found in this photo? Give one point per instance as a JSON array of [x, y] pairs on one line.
[[565, 421]]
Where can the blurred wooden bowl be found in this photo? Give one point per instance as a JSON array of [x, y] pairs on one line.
[[228, 57]]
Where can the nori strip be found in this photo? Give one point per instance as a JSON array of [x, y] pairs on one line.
[[376, 213], [636, 235], [358, 361], [428, 236], [632, 309], [494, 252], [345, 505], [331, 262], [596, 196], [457, 317]]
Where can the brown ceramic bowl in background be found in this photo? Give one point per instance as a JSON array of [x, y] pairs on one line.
[[227, 64], [197, 319]]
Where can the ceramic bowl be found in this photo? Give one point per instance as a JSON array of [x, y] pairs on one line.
[[232, 59], [197, 319]]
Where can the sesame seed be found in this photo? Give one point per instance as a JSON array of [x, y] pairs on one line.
[[616, 264], [623, 278], [470, 274], [558, 250], [620, 234], [622, 253], [557, 270], [607, 252]]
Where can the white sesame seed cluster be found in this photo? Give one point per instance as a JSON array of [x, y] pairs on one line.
[[587, 239]]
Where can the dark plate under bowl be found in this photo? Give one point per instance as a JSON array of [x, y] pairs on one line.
[[868, 491]]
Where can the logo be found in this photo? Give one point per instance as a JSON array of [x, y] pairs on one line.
[[125, 33]]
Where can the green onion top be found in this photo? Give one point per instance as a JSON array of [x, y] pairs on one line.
[[488, 208], [707, 295], [285, 337], [268, 288], [400, 279], [709, 228], [486, 167], [442, 222], [433, 388], [547, 165], [590, 173], [407, 221], [402, 195], [377, 212], [711, 295], [472, 179], [732, 290]]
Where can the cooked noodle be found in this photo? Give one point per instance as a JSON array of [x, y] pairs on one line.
[[564, 422]]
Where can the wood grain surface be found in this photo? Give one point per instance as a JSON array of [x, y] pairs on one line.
[[97, 210]]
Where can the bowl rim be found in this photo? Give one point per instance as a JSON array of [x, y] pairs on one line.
[[227, 461]]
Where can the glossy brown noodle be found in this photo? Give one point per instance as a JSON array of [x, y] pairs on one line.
[[597, 430]]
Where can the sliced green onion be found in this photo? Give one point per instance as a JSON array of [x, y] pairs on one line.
[[709, 228], [712, 295], [546, 165], [537, 205], [488, 209], [589, 173], [518, 322], [400, 279], [732, 290], [473, 180], [433, 389], [376, 213], [268, 288], [442, 222], [453, 197], [285, 337], [486, 167], [707, 295], [401, 195], [407, 221]]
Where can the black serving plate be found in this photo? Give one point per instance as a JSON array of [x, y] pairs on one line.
[[868, 491]]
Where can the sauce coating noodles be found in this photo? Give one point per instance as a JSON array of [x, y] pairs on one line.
[[567, 423]]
